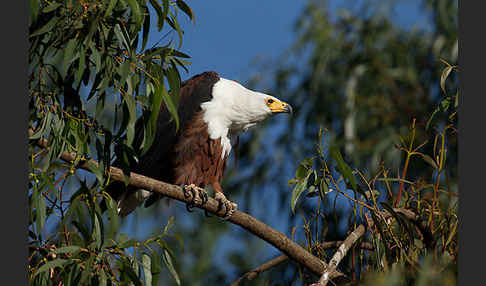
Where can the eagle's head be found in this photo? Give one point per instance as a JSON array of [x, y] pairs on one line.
[[237, 108]]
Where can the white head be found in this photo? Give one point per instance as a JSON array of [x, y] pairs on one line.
[[235, 108]]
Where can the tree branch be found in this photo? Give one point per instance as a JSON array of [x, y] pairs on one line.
[[256, 227], [250, 275], [339, 255]]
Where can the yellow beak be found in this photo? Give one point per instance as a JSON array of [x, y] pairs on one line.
[[278, 106]]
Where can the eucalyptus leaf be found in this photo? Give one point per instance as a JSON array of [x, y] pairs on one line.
[[168, 262], [51, 264], [46, 28], [299, 188], [186, 9]]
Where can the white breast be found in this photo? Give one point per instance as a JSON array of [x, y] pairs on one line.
[[232, 109]]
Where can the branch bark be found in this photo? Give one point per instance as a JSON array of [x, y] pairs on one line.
[[251, 224], [339, 255], [250, 275]]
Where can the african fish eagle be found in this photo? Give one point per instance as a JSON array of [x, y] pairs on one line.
[[212, 110]]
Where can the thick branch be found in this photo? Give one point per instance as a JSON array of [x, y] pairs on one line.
[[250, 275], [258, 228], [339, 255]]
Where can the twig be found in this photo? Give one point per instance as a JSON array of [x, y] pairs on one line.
[[339, 255], [250, 275], [262, 268], [256, 227]]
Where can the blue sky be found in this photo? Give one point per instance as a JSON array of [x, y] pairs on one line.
[[233, 37]]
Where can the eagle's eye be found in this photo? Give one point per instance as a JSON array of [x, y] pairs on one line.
[[269, 101]]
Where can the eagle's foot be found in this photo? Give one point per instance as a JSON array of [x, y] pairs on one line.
[[229, 207], [196, 195]]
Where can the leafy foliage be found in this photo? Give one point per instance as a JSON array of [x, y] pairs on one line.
[[412, 225], [91, 77]]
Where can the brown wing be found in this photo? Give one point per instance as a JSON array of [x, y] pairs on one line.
[[158, 162]]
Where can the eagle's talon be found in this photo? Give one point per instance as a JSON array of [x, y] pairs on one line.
[[203, 194], [195, 195], [187, 194], [229, 207], [189, 207]]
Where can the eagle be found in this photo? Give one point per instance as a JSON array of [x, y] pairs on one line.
[[212, 111]]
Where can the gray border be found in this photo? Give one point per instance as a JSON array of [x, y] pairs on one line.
[[471, 144], [14, 142]]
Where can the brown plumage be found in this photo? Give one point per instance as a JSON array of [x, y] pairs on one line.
[[187, 156], [211, 110]]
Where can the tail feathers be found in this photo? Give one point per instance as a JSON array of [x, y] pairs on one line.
[[129, 201]]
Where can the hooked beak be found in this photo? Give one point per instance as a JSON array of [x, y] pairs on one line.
[[288, 108], [280, 107]]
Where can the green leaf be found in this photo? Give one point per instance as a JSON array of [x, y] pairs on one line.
[[342, 167], [443, 77], [180, 54], [170, 222], [451, 235], [51, 264], [175, 25], [155, 268], [44, 127], [40, 212], [123, 71], [168, 262], [182, 63], [301, 172], [445, 103], [186, 9], [46, 28], [110, 7], [81, 66], [429, 160], [174, 80], [128, 270], [67, 249], [97, 232], [150, 129], [97, 59], [299, 188], [97, 170], [51, 7], [122, 38], [165, 4], [136, 13], [171, 105], [34, 9], [437, 109], [324, 189], [113, 224], [146, 28], [68, 55], [160, 14], [146, 266]]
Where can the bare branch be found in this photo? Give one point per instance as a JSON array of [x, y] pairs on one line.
[[339, 255], [250, 275], [256, 227]]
